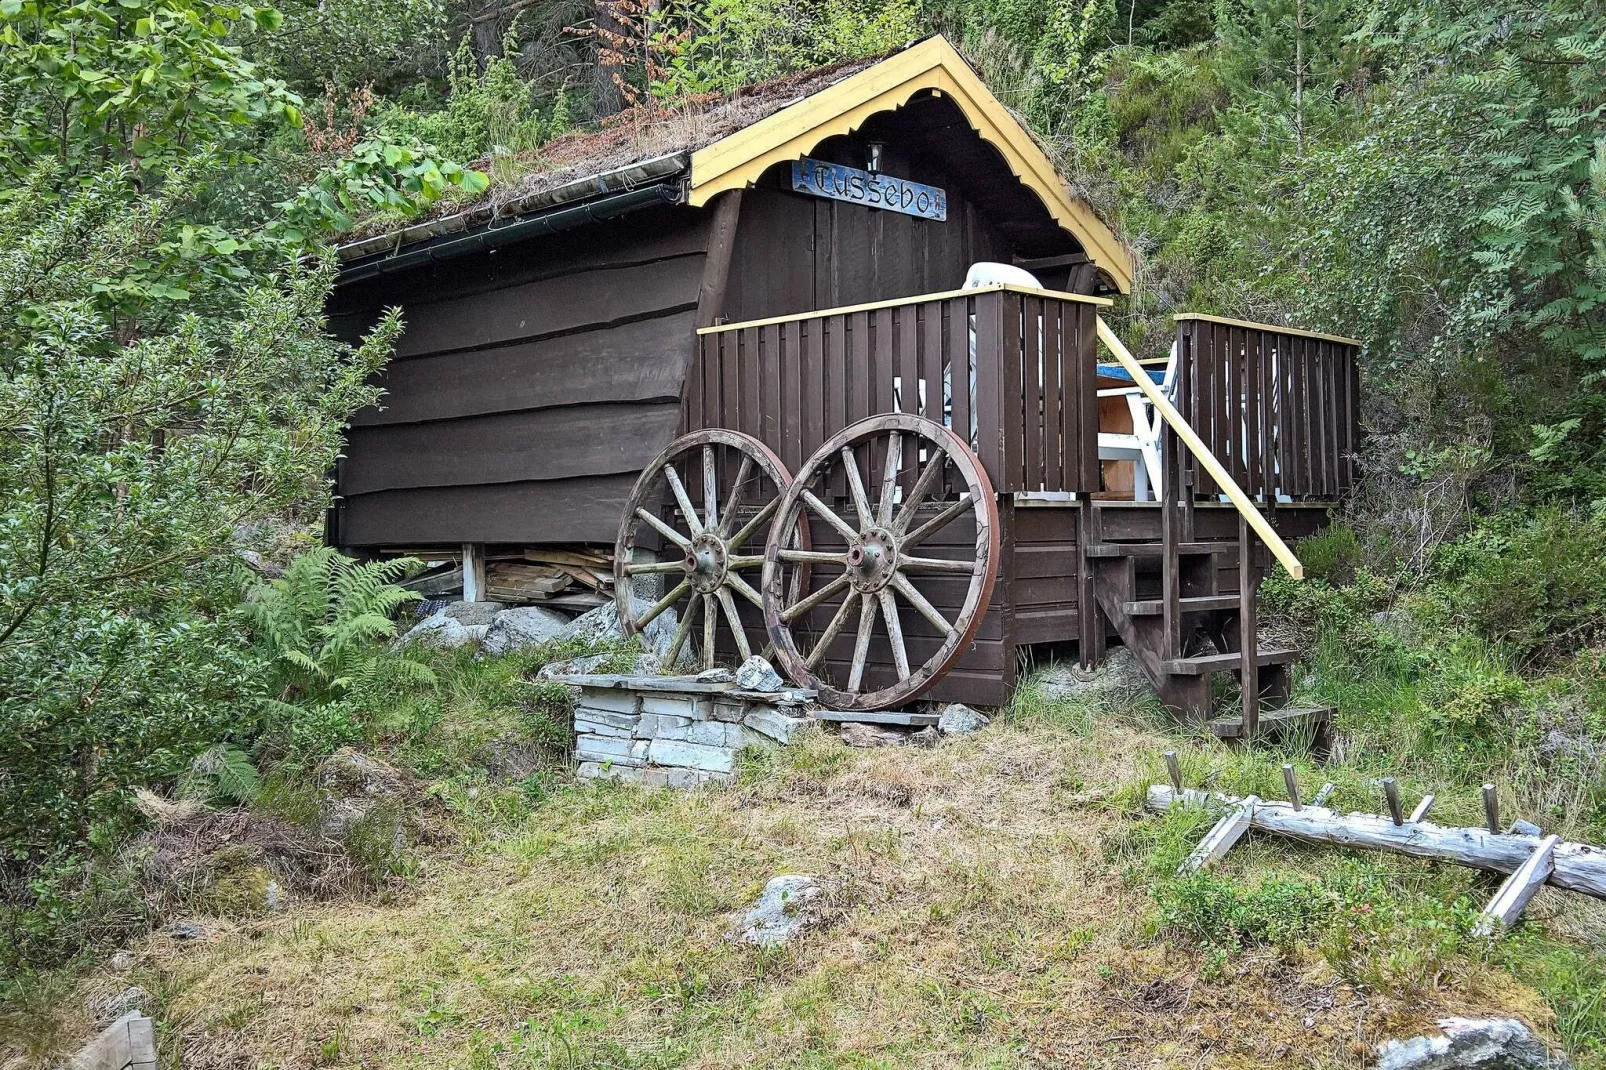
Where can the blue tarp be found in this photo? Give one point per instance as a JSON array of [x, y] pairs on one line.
[[1115, 371]]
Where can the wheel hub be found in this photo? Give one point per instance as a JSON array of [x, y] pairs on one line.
[[872, 560], [704, 563]]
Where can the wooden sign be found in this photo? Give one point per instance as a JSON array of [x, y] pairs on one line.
[[850, 184]]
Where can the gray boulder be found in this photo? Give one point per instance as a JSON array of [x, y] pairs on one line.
[[474, 613], [440, 632], [601, 625], [646, 664], [756, 674], [107, 1007], [788, 905], [1120, 679], [522, 628], [960, 720], [1471, 1044], [858, 734]]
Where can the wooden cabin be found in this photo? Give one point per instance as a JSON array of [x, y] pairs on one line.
[[785, 261]]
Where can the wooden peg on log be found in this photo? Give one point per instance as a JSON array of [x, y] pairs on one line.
[[1291, 782], [1521, 886], [1173, 770], [1422, 809], [1491, 807], [1391, 792], [1219, 840], [1323, 795]]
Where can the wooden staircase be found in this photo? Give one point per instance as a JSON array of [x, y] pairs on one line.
[[1164, 599]]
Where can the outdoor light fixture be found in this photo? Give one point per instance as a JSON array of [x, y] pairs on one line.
[[872, 157]]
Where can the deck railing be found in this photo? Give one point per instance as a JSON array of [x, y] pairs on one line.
[[1276, 406], [1009, 368]]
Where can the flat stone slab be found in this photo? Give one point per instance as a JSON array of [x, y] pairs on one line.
[[898, 717]]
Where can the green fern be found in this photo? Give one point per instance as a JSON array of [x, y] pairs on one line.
[[325, 622], [221, 771]]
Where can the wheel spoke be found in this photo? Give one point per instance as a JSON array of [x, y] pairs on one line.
[[861, 644], [672, 658], [902, 585], [710, 490], [662, 604], [745, 589], [664, 529], [825, 513], [889, 613], [923, 484], [936, 523], [710, 620], [683, 499], [744, 561], [792, 612], [742, 472], [813, 557], [652, 568], [752, 525], [861, 501], [832, 630], [728, 604], [935, 564], [889, 480]]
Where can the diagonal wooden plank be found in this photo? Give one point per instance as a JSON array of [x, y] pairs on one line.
[[1219, 840]]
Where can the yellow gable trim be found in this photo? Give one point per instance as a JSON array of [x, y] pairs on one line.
[[737, 161]]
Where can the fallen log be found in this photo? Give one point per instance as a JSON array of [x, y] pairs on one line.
[[1580, 867]]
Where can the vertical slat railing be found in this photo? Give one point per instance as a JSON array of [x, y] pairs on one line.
[[1277, 407], [1011, 372]]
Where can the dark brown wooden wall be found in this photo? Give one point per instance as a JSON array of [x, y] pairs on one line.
[[529, 389], [796, 253]]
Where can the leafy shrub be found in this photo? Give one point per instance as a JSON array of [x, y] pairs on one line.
[[1535, 583]]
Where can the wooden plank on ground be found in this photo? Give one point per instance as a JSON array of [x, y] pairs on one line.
[[1509, 903], [1219, 840]]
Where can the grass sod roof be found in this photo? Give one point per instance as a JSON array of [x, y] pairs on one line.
[[732, 138], [638, 145]]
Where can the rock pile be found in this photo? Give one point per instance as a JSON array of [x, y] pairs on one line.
[[676, 731]]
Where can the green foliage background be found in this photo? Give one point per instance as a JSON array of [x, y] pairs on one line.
[[1427, 177]]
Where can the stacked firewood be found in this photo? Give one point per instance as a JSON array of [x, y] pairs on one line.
[[572, 579]]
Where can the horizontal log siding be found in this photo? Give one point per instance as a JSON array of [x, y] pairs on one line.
[[1277, 409], [527, 391]]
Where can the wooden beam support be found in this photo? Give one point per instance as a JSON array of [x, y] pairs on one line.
[[1521, 886], [1219, 840], [473, 572], [1580, 867], [1422, 809]]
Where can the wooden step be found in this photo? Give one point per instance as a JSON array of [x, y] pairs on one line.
[[1155, 549], [1281, 722], [1207, 663], [1206, 603]]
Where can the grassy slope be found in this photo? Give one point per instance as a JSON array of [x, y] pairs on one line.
[[1000, 903]]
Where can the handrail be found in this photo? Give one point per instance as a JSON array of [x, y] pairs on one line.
[[914, 299], [1269, 328], [1196, 446]]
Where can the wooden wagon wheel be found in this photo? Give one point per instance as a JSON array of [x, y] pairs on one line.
[[710, 531], [876, 566]]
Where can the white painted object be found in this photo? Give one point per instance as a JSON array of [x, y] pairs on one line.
[[989, 273]]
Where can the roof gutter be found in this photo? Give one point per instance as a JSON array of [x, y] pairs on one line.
[[494, 237]]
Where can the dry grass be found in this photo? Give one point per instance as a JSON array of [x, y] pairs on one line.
[[982, 918]]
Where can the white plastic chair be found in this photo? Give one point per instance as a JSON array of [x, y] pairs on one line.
[[1142, 446]]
